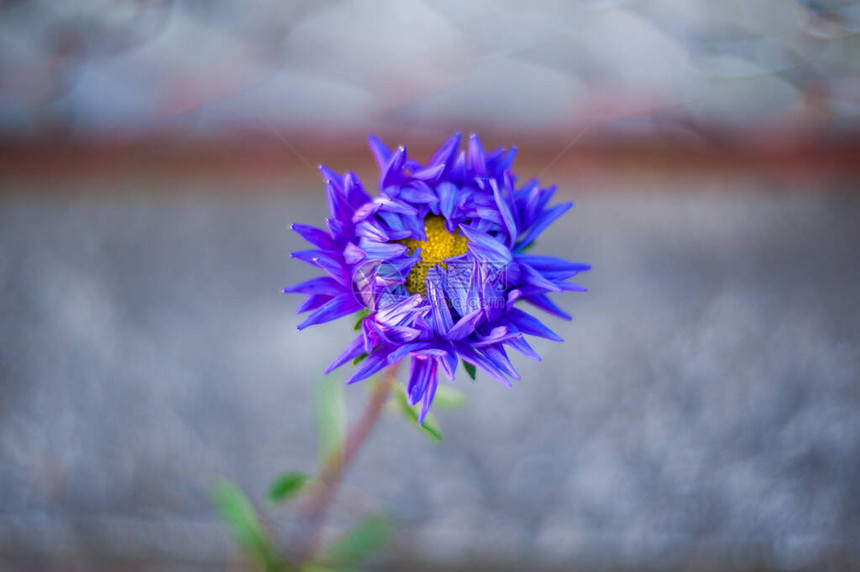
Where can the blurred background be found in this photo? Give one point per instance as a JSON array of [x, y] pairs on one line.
[[703, 412]]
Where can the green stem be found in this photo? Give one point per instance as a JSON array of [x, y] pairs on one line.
[[337, 464]]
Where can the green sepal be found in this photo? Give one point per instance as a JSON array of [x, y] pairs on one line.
[[361, 315], [470, 369]]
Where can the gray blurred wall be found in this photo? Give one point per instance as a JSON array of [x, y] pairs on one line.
[[705, 400]]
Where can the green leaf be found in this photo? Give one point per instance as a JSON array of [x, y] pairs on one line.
[[361, 315], [360, 358], [287, 485], [430, 425], [470, 369], [331, 418], [448, 398], [240, 515], [371, 534]]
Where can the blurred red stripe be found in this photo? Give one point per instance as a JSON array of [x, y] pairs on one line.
[[264, 155]]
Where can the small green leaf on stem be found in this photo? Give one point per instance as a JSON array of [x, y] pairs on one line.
[[359, 358], [470, 369], [240, 515], [430, 425], [287, 485], [371, 534]]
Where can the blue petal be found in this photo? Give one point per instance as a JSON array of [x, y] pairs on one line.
[[466, 325], [418, 193], [543, 302], [404, 350], [506, 162], [372, 230], [313, 235], [522, 346], [365, 211], [449, 360], [470, 355], [393, 170], [498, 356], [352, 351], [382, 250], [438, 303], [572, 287], [505, 210], [396, 206], [331, 310], [458, 170], [380, 151], [320, 285], [486, 247], [445, 154], [447, 195], [337, 204], [475, 159], [544, 220], [372, 364], [544, 264], [429, 173], [498, 334], [535, 278], [312, 302], [530, 325], [429, 393], [321, 259], [355, 193], [330, 176], [419, 379], [352, 253]]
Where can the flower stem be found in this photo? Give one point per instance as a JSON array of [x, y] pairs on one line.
[[337, 464]]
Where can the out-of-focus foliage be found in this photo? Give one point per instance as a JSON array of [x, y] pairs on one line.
[[287, 486], [238, 512]]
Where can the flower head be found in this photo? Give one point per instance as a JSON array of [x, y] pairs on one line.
[[437, 262]]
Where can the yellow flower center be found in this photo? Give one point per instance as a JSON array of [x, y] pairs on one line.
[[440, 244]]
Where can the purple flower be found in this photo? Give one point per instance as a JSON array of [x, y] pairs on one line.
[[437, 263]]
